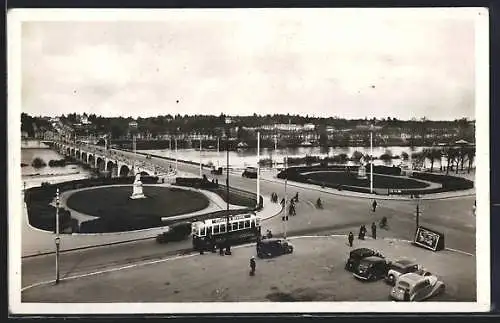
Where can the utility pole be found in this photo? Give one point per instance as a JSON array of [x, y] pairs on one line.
[[175, 139], [57, 239], [258, 168], [201, 172], [371, 160]]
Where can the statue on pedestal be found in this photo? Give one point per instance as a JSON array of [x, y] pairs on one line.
[[362, 169], [137, 188]]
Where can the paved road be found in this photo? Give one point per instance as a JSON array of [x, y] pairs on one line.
[[314, 272], [341, 214]]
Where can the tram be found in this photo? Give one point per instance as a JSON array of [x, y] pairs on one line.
[[234, 229]]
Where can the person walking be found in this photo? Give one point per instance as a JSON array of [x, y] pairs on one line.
[[360, 234], [374, 230], [350, 238], [221, 249], [252, 266], [374, 205]]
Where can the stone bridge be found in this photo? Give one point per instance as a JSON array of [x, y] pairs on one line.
[[105, 160]]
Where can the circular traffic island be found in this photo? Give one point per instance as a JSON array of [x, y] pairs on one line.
[[351, 179], [115, 211]]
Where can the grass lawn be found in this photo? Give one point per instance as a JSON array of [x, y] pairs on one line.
[[379, 181], [160, 202]]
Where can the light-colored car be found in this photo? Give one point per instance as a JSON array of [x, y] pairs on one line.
[[398, 268], [416, 287]]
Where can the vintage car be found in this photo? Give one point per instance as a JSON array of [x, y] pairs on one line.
[[270, 248], [357, 254], [250, 172], [175, 232], [415, 287], [398, 268], [371, 269]]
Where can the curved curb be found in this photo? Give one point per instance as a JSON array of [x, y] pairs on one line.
[[369, 196], [140, 264]]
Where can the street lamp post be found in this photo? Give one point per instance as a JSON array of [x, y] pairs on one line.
[[258, 168], [371, 160], [57, 239], [286, 196], [175, 139], [201, 172], [417, 214]]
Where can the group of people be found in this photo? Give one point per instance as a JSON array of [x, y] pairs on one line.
[[362, 233], [224, 247]]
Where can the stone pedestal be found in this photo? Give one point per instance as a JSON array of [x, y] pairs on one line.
[[362, 172], [137, 188]]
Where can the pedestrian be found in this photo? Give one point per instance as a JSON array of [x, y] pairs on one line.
[[474, 208], [350, 238], [374, 205], [374, 230], [228, 249], [360, 234], [221, 249], [252, 266]]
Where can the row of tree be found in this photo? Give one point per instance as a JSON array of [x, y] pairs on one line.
[[456, 158]]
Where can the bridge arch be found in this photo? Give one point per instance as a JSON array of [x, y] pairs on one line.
[[84, 157], [100, 163], [124, 171], [78, 155], [68, 151], [91, 160], [112, 167], [144, 173]]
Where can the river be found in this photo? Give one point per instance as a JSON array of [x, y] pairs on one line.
[[34, 176], [248, 157]]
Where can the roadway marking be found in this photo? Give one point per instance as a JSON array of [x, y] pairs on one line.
[[197, 254]]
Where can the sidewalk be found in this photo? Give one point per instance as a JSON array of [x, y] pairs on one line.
[[270, 177], [36, 241]]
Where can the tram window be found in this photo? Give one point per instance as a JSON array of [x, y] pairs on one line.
[[203, 232], [216, 229], [252, 223], [247, 224], [234, 226], [223, 228]]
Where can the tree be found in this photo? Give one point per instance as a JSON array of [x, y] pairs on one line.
[[387, 156], [357, 155], [405, 155], [432, 154], [471, 154], [451, 155]]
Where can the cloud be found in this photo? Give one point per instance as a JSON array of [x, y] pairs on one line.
[[316, 63]]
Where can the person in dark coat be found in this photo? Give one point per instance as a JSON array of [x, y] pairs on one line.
[[252, 266], [221, 249], [228, 249], [374, 230], [360, 234], [350, 238], [374, 205]]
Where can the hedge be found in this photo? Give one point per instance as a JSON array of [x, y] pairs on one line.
[[449, 183]]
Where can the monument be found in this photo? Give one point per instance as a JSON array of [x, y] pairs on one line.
[[362, 169], [137, 192]]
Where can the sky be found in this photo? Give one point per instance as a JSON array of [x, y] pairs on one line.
[[328, 63]]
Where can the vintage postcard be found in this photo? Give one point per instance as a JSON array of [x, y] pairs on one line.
[[248, 161]]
